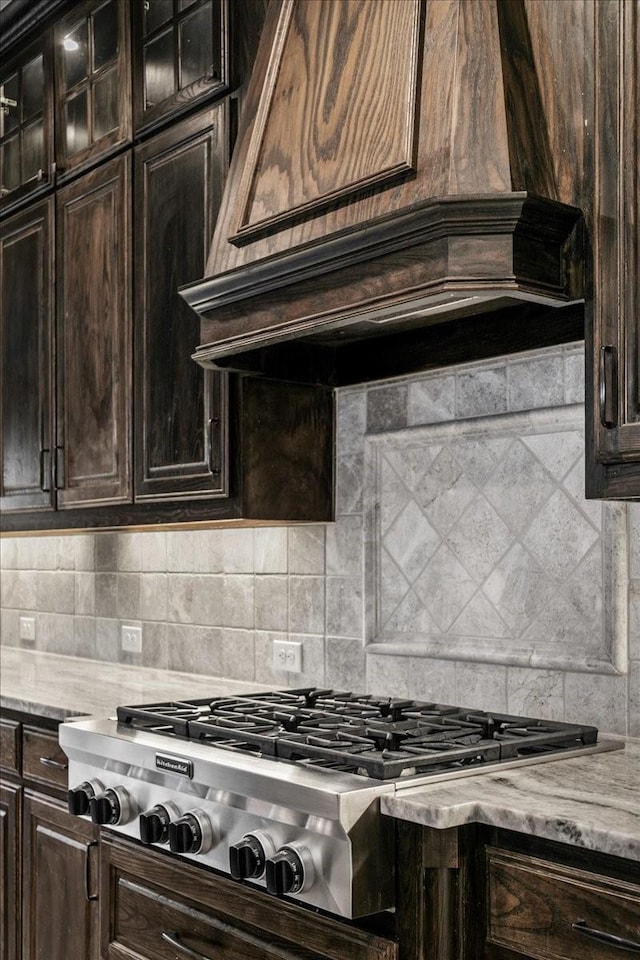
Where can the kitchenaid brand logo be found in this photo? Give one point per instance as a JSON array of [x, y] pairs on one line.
[[175, 765]]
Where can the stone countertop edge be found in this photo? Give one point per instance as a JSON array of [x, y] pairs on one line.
[[591, 802], [55, 687]]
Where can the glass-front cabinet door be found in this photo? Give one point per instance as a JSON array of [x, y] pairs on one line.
[[26, 154], [93, 82], [180, 55]]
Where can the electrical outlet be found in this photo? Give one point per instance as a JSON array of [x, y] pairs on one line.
[[131, 639], [28, 628], [287, 655]]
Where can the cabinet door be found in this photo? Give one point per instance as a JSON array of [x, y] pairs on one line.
[[613, 320], [26, 127], [180, 410], [26, 251], [60, 880], [10, 795], [93, 82], [93, 338], [180, 55]]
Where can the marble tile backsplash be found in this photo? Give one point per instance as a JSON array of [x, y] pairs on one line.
[[213, 601]]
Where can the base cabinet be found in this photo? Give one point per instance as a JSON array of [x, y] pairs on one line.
[[60, 880], [10, 839]]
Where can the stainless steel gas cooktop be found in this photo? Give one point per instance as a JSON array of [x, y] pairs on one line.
[[282, 789]]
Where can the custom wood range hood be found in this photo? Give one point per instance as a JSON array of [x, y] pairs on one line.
[[394, 168]]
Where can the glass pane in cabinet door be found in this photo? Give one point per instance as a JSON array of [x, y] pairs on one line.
[[196, 46], [183, 4], [76, 124], [11, 164], [32, 150], [74, 51], [105, 35], [9, 107], [105, 104], [32, 88], [159, 75], [156, 12]]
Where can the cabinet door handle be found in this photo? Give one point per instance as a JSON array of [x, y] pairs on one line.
[[59, 471], [608, 387], [174, 940], [214, 445], [56, 764], [87, 871], [45, 470], [580, 926]]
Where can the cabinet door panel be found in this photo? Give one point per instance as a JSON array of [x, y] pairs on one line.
[[180, 409], [60, 918], [9, 871], [94, 351], [27, 305]]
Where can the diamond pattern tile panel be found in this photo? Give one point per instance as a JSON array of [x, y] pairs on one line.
[[484, 542]]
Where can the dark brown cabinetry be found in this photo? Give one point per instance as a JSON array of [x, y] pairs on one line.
[[93, 338], [180, 410], [613, 318], [26, 125], [10, 844], [60, 880], [48, 859], [26, 330], [156, 909], [183, 56], [92, 58]]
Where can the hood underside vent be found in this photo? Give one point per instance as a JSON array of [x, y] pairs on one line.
[[395, 167]]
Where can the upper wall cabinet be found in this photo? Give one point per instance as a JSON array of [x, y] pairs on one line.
[[92, 58], [26, 356], [26, 125], [181, 55], [613, 314]]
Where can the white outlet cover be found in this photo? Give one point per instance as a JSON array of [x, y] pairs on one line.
[[27, 628], [287, 656], [131, 638]]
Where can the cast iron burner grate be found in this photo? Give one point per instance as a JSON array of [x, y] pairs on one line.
[[380, 737]]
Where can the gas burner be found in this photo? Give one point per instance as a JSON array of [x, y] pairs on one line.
[[383, 738]]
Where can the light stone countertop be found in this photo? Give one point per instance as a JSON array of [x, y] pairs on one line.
[[591, 801], [59, 687]]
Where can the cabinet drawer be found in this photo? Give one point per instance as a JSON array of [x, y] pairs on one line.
[[42, 758], [160, 928], [546, 911], [10, 746]]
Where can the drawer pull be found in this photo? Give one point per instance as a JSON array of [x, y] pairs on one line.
[[174, 940], [632, 946], [87, 872], [48, 762]]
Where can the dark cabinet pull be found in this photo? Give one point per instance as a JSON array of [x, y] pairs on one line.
[[214, 446], [580, 926], [59, 471], [87, 871], [175, 941], [45, 470], [608, 387], [56, 764]]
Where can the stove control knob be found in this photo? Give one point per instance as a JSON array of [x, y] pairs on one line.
[[78, 797], [111, 808], [290, 870], [247, 857], [154, 823], [192, 833]]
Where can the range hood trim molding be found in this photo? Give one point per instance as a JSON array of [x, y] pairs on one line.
[[427, 222]]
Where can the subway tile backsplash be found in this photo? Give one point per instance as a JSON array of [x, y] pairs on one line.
[[213, 601]]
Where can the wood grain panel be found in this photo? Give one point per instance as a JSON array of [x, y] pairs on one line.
[[533, 905], [180, 409], [10, 746], [343, 75], [10, 845], [59, 875], [26, 249], [93, 337], [39, 746]]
